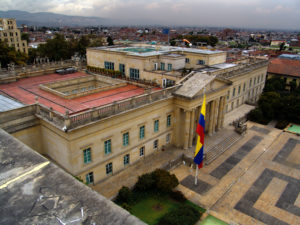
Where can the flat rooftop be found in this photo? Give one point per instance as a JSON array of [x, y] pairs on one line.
[[8, 104], [35, 191], [26, 90], [155, 50]]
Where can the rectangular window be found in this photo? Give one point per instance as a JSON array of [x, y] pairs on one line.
[[232, 105], [155, 144], [122, 69], [109, 168], [142, 151], [244, 88], [250, 82], [142, 132], [201, 62], [162, 66], [134, 74], [228, 94], [168, 138], [107, 146], [126, 159], [126, 139], [89, 178], [87, 157], [187, 60], [169, 67], [233, 93], [156, 125], [239, 89], [109, 65], [168, 120], [254, 80]]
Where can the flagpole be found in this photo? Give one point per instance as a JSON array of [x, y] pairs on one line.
[[197, 168]]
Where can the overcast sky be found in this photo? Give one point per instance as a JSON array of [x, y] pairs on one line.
[[231, 13]]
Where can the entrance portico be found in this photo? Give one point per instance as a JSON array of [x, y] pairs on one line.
[[188, 102]]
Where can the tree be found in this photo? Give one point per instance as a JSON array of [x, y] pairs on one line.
[[10, 55], [56, 49], [25, 36], [110, 41]]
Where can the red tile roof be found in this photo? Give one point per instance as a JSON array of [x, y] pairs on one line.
[[25, 90], [285, 67]]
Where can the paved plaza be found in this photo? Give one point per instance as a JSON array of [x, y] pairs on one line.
[[256, 181]]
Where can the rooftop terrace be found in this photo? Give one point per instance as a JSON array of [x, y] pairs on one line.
[[155, 50], [26, 90]]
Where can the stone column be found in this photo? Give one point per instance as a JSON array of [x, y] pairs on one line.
[[186, 129], [177, 127], [217, 103], [192, 128], [211, 117], [223, 113], [220, 113]]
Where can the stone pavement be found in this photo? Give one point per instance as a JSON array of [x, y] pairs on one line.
[[256, 181]]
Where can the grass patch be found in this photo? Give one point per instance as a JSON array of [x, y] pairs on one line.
[[211, 220], [152, 208]]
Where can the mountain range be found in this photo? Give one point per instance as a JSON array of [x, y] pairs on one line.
[[54, 19]]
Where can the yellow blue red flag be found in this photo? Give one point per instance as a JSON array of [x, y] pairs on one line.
[[198, 158]]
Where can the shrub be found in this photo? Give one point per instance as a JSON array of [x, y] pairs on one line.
[[144, 183], [164, 181], [281, 124], [125, 206], [124, 195], [178, 196], [183, 215]]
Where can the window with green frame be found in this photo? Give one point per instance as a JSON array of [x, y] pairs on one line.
[[107, 146], [122, 69], [244, 88], [162, 66], [142, 132], [233, 92], [109, 65], [109, 168], [156, 125], [126, 139], [87, 156], [168, 120], [169, 66], [89, 178], [239, 89], [126, 159], [134, 74]]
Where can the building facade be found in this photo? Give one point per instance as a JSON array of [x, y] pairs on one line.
[[10, 34], [94, 126]]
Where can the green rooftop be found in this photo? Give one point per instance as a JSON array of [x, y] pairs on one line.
[[139, 50], [294, 129]]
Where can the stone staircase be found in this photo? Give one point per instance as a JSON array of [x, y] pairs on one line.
[[215, 151]]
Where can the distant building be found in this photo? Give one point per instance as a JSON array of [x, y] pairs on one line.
[[286, 67], [10, 34]]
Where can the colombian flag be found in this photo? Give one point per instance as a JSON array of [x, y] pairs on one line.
[[198, 158]]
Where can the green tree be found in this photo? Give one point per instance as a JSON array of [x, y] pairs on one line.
[[110, 41], [25, 36], [10, 55], [56, 49]]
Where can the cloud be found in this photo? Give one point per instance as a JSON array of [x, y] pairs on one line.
[[242, 13]]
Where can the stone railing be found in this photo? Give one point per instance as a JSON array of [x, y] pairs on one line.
[[239, 69], [117, 107], [70, 121], [16, 72]]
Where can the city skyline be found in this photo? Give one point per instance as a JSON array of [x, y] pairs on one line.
[[272, 14]]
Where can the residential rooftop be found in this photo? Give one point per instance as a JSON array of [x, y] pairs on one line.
[[285, 66]]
